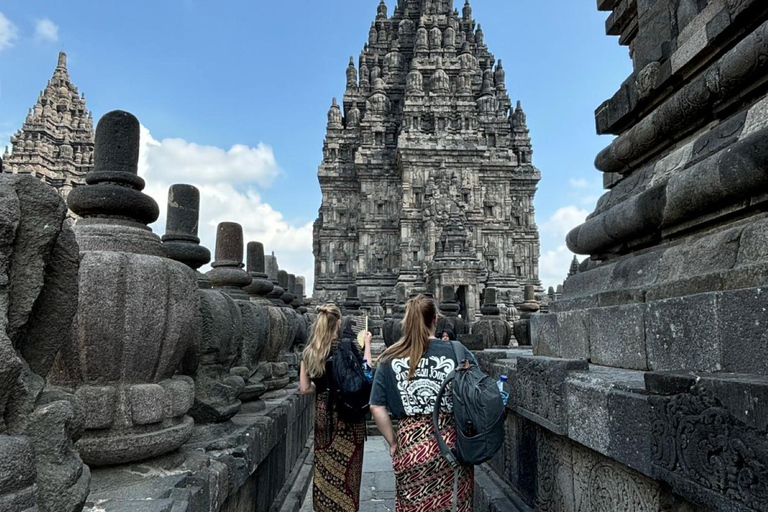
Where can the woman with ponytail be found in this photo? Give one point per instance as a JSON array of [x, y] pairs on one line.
[[408, 378], [339, 443]]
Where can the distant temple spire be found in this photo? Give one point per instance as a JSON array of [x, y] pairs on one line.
[[55, 143], [574, 267]]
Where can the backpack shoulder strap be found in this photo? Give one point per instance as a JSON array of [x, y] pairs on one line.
[[458, 352], [444, 450]]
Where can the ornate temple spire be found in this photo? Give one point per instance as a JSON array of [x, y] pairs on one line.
[[521, 140], [55, 143], [574, 267], [62, 61], [500, 76], [351, 74], [467, 11], [381, 11]]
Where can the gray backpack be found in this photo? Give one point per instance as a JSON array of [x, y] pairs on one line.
[[479, 414]]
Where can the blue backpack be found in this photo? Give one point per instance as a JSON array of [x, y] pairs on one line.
[[479, 414]]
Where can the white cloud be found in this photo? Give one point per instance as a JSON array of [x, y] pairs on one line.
[[9, 33], [564, 220], [579, 183], [227, 181], [46, 31], [555, 258], [554, 266]]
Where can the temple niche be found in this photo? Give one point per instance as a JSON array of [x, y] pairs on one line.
[[427, 177], [55, 143]]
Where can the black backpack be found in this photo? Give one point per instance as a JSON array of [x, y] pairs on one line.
[[350, 390], [479, 414]]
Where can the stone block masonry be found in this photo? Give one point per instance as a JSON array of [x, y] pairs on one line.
[[668, 408], [237, 466]]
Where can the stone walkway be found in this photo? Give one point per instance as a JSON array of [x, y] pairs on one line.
[[377, 491]]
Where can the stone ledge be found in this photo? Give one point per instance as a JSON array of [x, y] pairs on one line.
[[711, 331], [605, 409], [490, 495], [233, 466]]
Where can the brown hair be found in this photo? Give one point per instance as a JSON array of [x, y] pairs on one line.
[[324, 332], [418, 324]]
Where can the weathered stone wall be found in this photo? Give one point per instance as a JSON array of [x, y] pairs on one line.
[[239, 466], [647, 384], [579, 438]]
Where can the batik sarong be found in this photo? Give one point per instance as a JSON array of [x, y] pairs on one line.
[[338, 462], [424, 479]]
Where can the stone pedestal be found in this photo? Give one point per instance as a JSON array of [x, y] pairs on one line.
[[449, 309], [258, 290], [494, 329], [229, 277], [352, 310], [528, 308], [393, 326], [217, 345], [137, 313], [278, 324]]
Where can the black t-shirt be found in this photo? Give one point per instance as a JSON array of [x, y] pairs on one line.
[[393, 390]]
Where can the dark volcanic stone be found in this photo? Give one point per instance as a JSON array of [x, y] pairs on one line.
[[256, 258], [229, 245], [681, 334], [743, 322], [625, 323], [183, 210], [115, 188]]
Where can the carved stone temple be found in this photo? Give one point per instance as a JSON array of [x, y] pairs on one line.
[[427, 173], [647, 386], [55, 143]]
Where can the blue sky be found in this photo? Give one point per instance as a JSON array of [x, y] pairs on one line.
[[233, 97]]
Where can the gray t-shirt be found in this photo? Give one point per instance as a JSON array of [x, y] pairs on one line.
[[393, 390]]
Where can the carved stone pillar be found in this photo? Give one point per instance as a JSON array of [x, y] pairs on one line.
[[278, 325], [528, 308], [494, 329], [137, 312], [228, 276], [450, 311], [217, 344], [393, 326], [292, 322]]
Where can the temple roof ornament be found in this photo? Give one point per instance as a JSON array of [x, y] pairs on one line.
[[381, 11]]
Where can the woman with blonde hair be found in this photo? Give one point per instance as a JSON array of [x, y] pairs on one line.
[[408, 378], [339, 442]]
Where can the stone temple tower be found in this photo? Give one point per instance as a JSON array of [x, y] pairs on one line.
[[426, 138], [55, 144]]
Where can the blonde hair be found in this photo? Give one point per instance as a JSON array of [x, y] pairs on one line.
[[324, 332], [420, 315]]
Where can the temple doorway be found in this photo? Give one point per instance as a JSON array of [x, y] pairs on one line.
[[461, 298]]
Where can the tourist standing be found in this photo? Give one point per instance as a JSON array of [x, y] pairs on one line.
[[339, 442], [408, 378]]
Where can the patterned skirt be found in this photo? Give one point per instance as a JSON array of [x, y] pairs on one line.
[[424, 479], [338, 461]]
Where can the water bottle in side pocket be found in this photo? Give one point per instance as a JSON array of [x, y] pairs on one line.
[[503, 389]]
